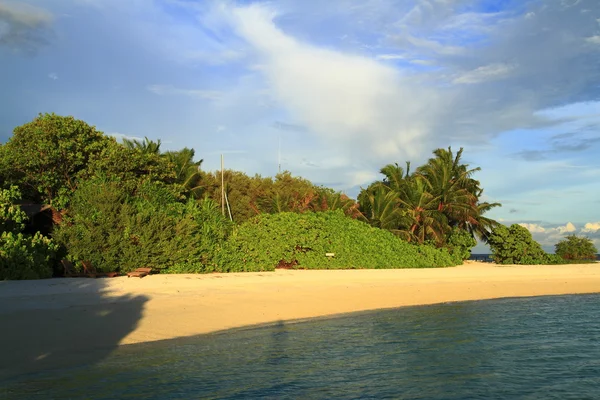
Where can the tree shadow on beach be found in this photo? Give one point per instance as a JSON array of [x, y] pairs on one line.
[[61, 323]]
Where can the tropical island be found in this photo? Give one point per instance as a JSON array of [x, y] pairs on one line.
[[228, 250], [71, 193]]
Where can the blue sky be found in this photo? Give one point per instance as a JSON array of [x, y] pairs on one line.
[[345, 86]]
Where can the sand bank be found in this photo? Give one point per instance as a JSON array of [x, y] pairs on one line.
[[44, 320]]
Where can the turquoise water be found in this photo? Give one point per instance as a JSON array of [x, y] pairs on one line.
[[533, 348]]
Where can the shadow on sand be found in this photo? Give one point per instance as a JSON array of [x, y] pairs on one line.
[[61, 323]]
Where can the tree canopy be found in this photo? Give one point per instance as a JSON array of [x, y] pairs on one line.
[[426, 205]]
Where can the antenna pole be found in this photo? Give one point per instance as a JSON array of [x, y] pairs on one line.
[[222, 188], [279, 156]]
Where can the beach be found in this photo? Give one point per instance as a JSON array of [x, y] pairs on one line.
[[62, 321]]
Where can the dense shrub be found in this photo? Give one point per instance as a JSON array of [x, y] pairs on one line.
[[302, 240], [118, 231], [22, 256], [515, 245], [26, 257], [460, 242], [576, 248]]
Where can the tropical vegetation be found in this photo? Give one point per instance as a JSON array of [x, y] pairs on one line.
[[576, 248], [123, 205]]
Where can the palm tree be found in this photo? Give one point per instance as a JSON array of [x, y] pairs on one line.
[[187, 170], [421, 219], [458, 193], [146, 146], [395, 175], [382, 209]]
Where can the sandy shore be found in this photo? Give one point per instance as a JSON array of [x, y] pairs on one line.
[[49, 319]]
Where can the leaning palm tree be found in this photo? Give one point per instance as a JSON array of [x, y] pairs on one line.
[[478, 225]]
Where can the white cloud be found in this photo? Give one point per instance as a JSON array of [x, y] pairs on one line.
[[360, 178], [25, 14], [593, 39], [390, 57], [548, 236], [171, 90], [121, 136], [485, 73], [568, 228], [533, 228], [23, 26], [53, 76], [360, 104], [591, 227], [432, 45]]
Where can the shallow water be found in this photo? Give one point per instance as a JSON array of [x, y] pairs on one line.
[[531, 348]]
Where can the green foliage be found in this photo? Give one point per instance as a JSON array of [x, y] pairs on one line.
[[576, 248], [22, 256], [129, 166], [118, 231], [460, 242], [426, 205], [12, 218], [302, 240], [250, 196], [515, 245], [43, 157], [26, 257], [187, 171]]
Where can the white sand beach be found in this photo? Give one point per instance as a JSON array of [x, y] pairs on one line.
[[48, 322]]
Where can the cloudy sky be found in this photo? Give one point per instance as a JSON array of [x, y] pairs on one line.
[[341, 87]]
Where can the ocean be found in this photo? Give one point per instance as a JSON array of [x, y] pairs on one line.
[[519, 348], [488, 257]]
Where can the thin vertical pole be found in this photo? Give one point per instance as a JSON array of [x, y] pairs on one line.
[[279, 156], [222, 188]]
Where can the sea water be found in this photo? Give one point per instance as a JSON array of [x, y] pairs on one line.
[[525, 348]]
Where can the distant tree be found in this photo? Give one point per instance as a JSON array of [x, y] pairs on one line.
[[574, 247], [44, 157], [515, 245]]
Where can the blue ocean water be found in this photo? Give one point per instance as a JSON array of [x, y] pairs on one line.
[[487, 257], [524, 348]]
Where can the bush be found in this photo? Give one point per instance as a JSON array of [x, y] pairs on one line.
[[515, 245], [576, 248], [460, 242], [117, 231], [302, 240], [22, 256], [12, 218], [26, 257]]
